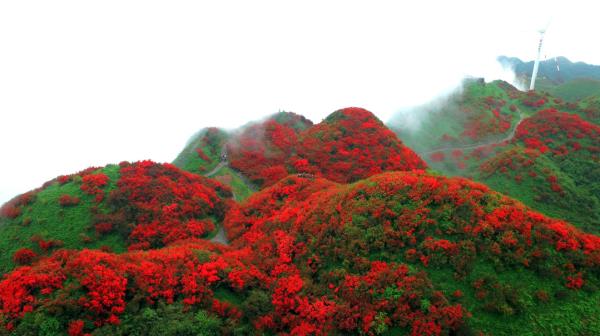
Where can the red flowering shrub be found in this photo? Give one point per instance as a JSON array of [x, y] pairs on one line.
[[92, 185], [46, 245], [261, 150], [76, 328], [331, 224], [348, 145], [203, 156], [164, 203], [68, 200], [437, 157], [13, 208], [351, 144], [24, 256], [560, 128], [99, 283], [103, 228]]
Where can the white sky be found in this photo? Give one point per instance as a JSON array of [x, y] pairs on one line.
[[94, 82]]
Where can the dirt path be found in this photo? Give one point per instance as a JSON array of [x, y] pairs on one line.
[[221, 236], [216, 169], [509, 137], [220, 165]]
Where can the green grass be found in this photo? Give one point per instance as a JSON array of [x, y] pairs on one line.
[[577, 177], [52, 221], [450, 117], [210, 143], [574, 314], [241, 188], [573, 90], [577, 314], [227, 295]]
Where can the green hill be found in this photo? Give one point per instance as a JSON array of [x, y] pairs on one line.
[[112, 208], [203, 151], [568, 141]]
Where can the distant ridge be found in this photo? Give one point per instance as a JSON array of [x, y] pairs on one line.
[[568, 70]]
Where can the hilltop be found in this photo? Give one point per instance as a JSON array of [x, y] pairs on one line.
[[348, 145]]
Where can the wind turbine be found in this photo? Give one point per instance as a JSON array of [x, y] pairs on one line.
[[536, 65]]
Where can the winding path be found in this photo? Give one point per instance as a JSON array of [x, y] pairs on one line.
[[221, 236], [220, 165], [509, 137]]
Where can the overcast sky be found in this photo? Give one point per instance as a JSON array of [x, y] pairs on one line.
[[87, 83]]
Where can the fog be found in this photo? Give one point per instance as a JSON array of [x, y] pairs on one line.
[[90, 83]]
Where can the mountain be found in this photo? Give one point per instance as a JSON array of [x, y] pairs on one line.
[[516, 142], [566, 71], [559, 76], [343, 230]]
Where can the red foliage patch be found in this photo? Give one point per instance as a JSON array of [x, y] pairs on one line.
[[437, 157], [552, 130], [92, 185], [352, 144], [348, 145], [68, 200], [24, 256], [165, 204]]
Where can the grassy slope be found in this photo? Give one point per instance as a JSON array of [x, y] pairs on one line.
[[574, 314], [580, 201], [577, 204], [52, 221], [453, 115], [577, 89], [573, 90], [210, 141], [241, 188]]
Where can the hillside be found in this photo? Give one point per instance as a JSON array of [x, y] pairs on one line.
[[553, 164], [576, 89], [203, 151], [127, 206], [400, 252], [328, 229], [567, 142]]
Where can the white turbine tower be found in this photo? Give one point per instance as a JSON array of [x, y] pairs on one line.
[[537, 61]]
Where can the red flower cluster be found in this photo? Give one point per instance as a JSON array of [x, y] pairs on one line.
[[24, 256], [558, 132], [13, 208], [165, 204], [100, 282], [262, 150], [348, 145], [68, 200], [92, 185]]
